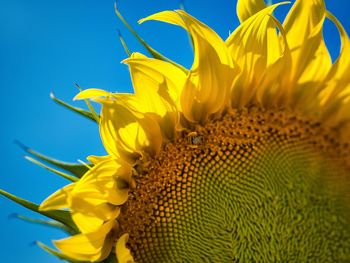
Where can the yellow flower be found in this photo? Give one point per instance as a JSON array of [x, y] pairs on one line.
[[243, 157]]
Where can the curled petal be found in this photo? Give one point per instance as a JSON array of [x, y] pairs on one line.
[[247, 8], [100, 184], [254, 46], [335, 97], [58, 200], [97, 159], [122, 252], [303, 26], [96, 197], [124, 130], [164, 78], [91, 93], [338, 77], [255, 40], [158, 85], [208, 81], [87, 223], [91, 247], [90, 218]]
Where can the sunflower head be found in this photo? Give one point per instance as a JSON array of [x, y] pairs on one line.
[[242, 157]]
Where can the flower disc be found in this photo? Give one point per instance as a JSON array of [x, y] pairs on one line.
[[253, 186]]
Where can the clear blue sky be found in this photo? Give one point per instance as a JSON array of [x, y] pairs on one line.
[[47, 46]]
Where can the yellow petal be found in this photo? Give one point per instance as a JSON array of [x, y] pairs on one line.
[[91, 93], [123, 127], [91, 247], [151, 74], [87, 223], [339, 77], [98, 159], [335, 97], [100, 185], [303, 26], [208, 81], [124, 132], [302, 19], [195, 28], [90, 218], [58, 200], [247, 8], [158, 85], [254, 46], [274, 89], [122, 252]]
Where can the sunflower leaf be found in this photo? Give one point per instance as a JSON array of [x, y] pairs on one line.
[[111, 259], [122, 41], [64, 175], [58, 215], [91, 108], [151, 50], [49, 223], [182, 7], [76, 169], [80, 111]]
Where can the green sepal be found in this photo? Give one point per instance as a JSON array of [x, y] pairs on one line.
[[182, 5], [91, 108], [56, 253], [126, 49], [49, 223], [111, 259], [58, 215], [183, 8], [151, 50], [76, 169], [64, 175], [80, 111]]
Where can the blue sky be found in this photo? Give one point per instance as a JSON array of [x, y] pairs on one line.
[[47, 46]]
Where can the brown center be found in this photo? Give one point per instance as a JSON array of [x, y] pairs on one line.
[[254, 185]]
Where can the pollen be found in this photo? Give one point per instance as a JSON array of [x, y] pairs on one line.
[[254, 185]]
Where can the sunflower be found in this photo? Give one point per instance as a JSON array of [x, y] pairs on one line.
[[243, 157]]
